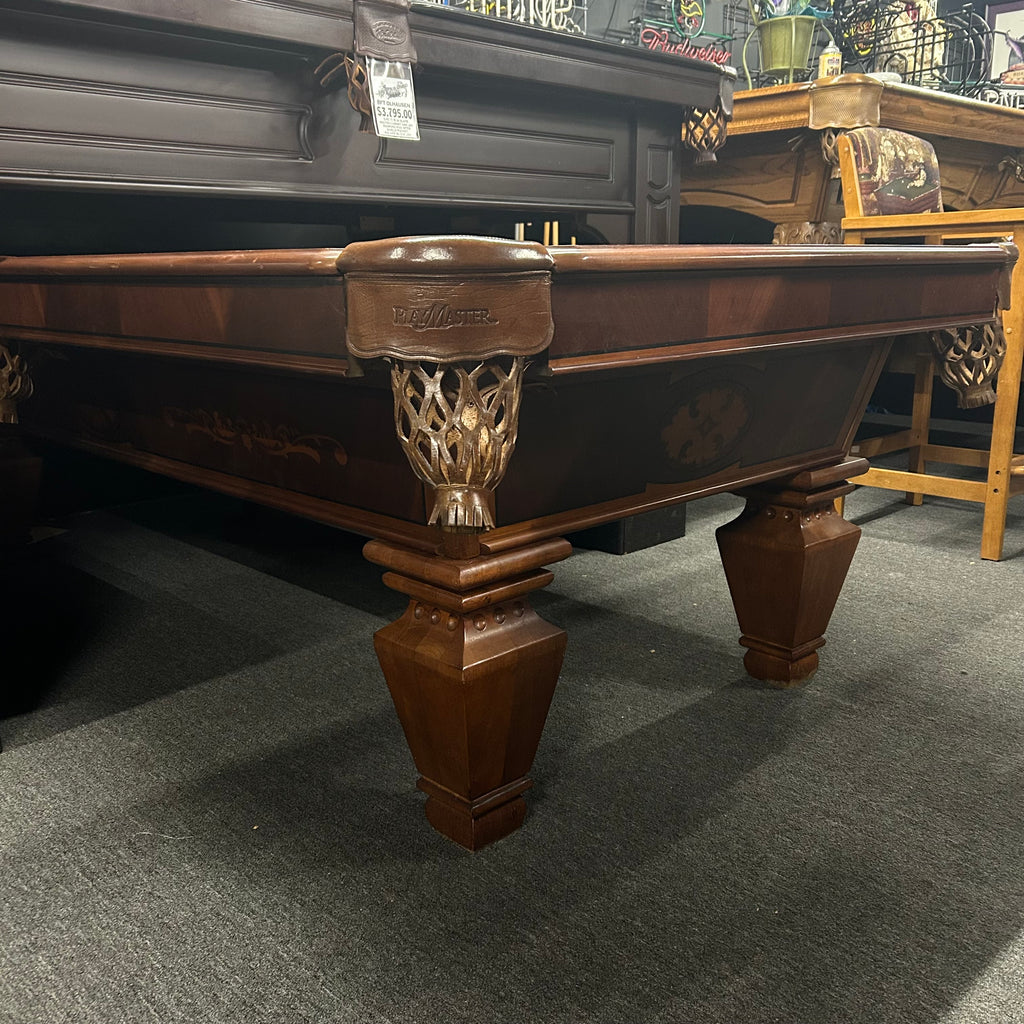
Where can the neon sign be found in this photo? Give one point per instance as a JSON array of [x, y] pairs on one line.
[[657, 39]]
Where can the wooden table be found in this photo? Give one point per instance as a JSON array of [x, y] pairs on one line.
[[627, 378], [778, 164]]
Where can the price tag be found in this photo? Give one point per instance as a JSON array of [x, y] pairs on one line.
[[393, 99]]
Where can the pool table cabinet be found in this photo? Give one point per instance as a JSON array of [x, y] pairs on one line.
[[466, 402]]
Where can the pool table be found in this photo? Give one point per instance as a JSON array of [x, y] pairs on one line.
[[464, 402], [780, 165]]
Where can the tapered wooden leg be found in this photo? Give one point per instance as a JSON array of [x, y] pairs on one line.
[[472, 670], [786, 558]]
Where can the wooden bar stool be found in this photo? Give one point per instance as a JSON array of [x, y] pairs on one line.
[[891, 191]]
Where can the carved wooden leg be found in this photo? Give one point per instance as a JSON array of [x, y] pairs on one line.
[[471, 669], [786, 558]]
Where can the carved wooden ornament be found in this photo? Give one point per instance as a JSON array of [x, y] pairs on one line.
[[704, 131], [15, 384], [465, 314], [970, 360]]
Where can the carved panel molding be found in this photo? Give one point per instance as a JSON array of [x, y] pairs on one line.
[[448, 146], [141, 117]]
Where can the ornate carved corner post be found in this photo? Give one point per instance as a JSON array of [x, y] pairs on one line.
[[470, 666], [786, 558], [20, 471]]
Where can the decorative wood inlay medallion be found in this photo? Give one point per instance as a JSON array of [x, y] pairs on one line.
[[708, 425], [712, 416]]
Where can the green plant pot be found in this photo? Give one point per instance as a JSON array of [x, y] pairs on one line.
[[785, 43]]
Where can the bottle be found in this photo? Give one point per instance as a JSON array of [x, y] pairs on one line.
[[830, 63]]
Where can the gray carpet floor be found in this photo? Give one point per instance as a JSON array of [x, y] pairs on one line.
[[207, 810]]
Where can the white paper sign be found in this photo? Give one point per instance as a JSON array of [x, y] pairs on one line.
[[393, 99]]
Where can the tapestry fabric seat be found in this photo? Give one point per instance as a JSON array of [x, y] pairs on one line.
[[897, 173]]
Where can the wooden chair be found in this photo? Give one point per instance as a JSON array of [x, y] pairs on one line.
[[891, 191]]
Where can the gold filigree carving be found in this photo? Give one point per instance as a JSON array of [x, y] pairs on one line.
[[829, 150], [970, 359], [280, 440], [829, 138], [15, 384], [457, 424]]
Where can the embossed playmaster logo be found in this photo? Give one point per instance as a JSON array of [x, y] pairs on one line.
[[440, 317], [387, 32]]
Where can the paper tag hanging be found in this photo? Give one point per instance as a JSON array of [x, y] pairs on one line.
[[393, 99]]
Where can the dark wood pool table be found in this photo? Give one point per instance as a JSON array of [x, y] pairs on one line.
[[383, 387]]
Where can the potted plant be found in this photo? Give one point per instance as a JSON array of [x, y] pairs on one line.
[[785, 35]]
